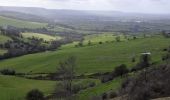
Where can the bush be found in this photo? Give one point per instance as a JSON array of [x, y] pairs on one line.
[[106, 78], [100, 42], [8, 72], [104, 96], [133, 59], [35, 95], [76, 88], [92, 84], [118, 39], [121, 70], [112, 94]]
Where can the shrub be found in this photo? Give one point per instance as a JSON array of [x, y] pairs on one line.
[[133, 59], [76, 88], [92, 84], [8, 72], [121, 70], [35, 95], [80, 44], [145, 61], [106, 78], [100, 42], [89, 42], [118, 38], [104, 96], [112, 94]]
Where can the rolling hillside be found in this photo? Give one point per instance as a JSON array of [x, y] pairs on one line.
[[4, 21], [91, 59], [14, 88], [39, 35]]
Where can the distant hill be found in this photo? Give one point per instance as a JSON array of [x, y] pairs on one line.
[[4, 21], [60, 14], [23, 16]]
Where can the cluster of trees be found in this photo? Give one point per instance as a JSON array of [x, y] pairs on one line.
[[145, 62], [18, 46], [118, 71]]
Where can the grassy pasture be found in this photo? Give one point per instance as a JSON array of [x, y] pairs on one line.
[[91, 59], [101, 38], [95, 39], [14, 88], [39, 35], [4, 21], [4, 39]]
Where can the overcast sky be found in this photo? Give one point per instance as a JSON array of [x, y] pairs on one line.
[[142, 6]]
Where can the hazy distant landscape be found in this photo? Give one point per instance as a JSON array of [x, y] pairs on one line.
[[77, 54]]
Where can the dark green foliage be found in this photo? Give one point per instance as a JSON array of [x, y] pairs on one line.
[[145, 61], [89, 43], [133, 59], [100, 42], [118, 71], [118, 39], [35, 95], [76, 88], [7, 72], [92, 84], [134, 37], [121, 70], [80, 44]]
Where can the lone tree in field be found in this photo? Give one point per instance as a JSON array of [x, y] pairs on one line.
[[89, 42], [66, 71], [35, 95], [145, 60], [118, 39]]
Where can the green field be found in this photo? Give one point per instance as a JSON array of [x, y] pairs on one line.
[[14, 88], [39, 35], [90, 59], [101, 38], [95, 39], [4, 39], [2, 51], [4, 21]]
